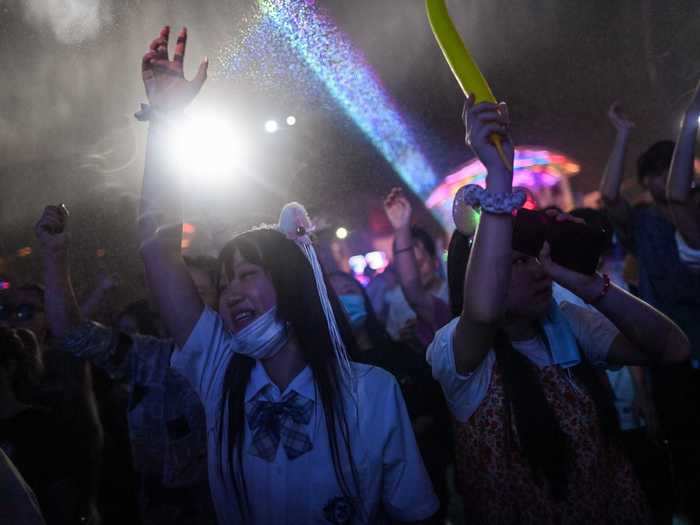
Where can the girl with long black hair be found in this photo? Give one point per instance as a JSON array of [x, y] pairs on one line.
[[296, 432], [535, 425]]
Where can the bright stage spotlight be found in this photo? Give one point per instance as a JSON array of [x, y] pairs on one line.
[[291, 120], [271, 126], [208, 146], [341, 233]]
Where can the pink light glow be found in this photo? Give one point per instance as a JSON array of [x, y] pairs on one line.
[[536, 168]]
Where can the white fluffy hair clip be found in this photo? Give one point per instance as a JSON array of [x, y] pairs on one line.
[[295, 224]]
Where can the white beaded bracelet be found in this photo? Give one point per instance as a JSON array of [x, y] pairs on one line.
[[499, 203]]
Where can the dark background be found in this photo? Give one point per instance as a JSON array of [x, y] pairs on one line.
[[71, 81]]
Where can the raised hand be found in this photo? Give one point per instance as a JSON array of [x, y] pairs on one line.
[[618, 119], [51, 228], [164, 79], [481, 121], [398, 209]]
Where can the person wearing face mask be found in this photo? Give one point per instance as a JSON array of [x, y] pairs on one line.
[[535, 424], [168, 452], [418, 307], [424, 400], [296, 432]]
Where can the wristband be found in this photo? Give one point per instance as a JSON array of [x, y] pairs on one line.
[[498, 203], [148, 113], [406, 249]]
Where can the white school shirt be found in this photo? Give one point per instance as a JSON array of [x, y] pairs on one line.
[[593, 331], [393, 480]]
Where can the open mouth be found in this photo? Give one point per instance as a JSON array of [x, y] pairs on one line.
[[244, 315], [242, 318]]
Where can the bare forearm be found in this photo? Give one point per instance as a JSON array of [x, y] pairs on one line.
[[161, 235], [485, 288], [62, 312], [614, 169], [171, 284], [90, 305], [488, 272], [161, 196], [650, 331], [409, 278]]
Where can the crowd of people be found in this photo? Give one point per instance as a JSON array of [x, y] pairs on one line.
[[522, 383]]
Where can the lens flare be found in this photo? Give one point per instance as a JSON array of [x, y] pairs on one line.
[[208, 147], [353, 84]]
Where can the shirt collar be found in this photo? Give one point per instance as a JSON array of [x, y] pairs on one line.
[[303, 384]]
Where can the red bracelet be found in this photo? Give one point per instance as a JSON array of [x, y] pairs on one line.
[[604, 291]]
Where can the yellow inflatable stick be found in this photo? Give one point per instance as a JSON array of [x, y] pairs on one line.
[[460, 61]]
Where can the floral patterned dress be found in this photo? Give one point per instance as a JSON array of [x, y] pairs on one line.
[[496, 481]]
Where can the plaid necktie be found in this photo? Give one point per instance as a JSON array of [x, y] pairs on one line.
[[285, 421]]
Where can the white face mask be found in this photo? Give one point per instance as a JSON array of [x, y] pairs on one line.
[[264, 337]]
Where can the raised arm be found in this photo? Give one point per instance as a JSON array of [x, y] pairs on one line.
[[62, 312], [488, 271], [63, 316], [646, 335], [618, 208], [684, 210], [160, 220], [92, 303], [398, 210]]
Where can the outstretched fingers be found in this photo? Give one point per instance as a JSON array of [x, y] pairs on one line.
[[180, 47]]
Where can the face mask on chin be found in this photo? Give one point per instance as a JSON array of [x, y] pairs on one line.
[[354, 306], [264, 337]]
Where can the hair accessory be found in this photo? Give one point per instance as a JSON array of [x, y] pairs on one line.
[[479, 198], [294, 222]]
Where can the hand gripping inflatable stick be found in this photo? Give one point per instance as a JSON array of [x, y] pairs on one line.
[[460, 61]]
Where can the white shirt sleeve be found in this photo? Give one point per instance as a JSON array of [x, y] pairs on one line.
[[205, 356], [594, 332], [464, 394], [407, 492]]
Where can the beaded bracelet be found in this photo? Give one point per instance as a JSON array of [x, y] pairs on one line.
[[498, 203]]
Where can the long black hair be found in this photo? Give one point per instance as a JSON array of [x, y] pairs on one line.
[[298, 304], [543, 443]]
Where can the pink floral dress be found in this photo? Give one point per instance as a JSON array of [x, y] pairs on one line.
[[496, 481]]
